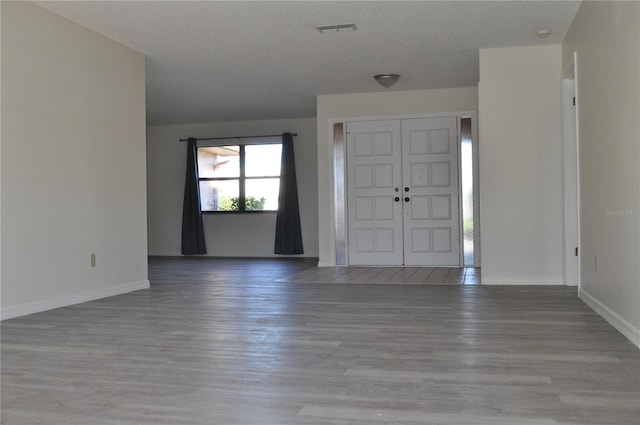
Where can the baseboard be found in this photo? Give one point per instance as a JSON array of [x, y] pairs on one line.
[[308, 257], [326, 264], [165, 254], [81, 297], [512, 283], [625, 328]]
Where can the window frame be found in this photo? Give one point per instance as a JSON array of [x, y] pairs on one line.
[[242, 177]]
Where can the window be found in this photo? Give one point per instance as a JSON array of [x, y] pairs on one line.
[[240, 178]]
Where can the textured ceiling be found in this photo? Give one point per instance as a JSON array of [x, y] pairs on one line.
[[240, 60]]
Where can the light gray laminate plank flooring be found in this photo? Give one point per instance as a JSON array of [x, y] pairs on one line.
[[238, 342]]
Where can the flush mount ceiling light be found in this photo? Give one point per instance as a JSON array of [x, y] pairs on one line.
[[337, 28], [386, 80], [543, 33]]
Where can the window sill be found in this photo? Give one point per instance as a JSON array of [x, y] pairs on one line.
[[239, 212]]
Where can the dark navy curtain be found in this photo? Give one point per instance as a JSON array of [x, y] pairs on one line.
[[288, 232], [192, 228]]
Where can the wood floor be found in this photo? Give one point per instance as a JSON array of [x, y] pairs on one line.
[[235, 342]]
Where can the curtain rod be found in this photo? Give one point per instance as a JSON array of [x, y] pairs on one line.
[[239, 137]]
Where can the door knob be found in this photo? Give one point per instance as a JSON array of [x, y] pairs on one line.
[[406, 199], [406, 189], [397, 199]]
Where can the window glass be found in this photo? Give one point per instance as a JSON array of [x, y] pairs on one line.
[[219, 195], [466, 163], [263, 160], [262, 194], [219, 161], [239, 178]]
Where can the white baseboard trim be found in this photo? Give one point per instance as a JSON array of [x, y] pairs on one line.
[[512, 283], [223, 255], [325, 264], [625, 328], [165, 254], [80, 297]]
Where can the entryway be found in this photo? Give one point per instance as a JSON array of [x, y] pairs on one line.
[[403, 192]]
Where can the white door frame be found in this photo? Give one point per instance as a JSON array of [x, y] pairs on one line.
[[571, 170], [337, 127]]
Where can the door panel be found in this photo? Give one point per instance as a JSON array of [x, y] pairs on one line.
[[430, 173], [374, 171]]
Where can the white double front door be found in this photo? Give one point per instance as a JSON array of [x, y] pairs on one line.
[[402, 192]]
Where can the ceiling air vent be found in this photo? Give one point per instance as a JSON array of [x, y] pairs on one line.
[[337, 28]]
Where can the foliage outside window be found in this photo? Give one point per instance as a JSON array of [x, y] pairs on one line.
[[240, 178]]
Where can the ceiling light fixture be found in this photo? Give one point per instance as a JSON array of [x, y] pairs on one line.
[[336, 28], [386, 80], [543, 33]]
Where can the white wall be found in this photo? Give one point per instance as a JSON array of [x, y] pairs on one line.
[[73, 163], [520, 153], [606, 36], [378, 105], [227, 235]]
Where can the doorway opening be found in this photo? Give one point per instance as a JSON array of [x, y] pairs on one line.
[[571, 165], [465, 127], [403, 192]]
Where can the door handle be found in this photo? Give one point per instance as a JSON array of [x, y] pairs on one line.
[[406, 199], [397, 199], [406, 189]]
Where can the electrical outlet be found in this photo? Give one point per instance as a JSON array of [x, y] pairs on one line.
[[93, 260]]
